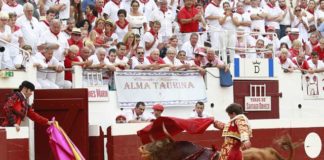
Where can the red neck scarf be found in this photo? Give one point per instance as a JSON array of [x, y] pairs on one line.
[[91, 18], [16, 28], [283, 7], [13, 4], [118, 23], [55, 34], [159, 61], [164, 10], [197, 62], [214, 4], [117, 3], [153, 33], [271, 5], [46, 22], [240, 11], [99, 10], [313, 44], [108, 34], [282, 61], [144, 1], [303, 6], [99, 31], [311, 11], [293, 52]]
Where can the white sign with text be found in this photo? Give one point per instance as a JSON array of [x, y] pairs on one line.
[[258, 103], [98, 93], [165, 87]]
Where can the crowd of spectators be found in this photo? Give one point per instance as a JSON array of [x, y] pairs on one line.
[[163, 34]]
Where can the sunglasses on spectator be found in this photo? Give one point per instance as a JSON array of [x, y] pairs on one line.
[[297, 10], [140, 53]]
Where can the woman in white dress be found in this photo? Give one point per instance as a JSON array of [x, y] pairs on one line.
[[5, 36], [122, 25], [17, 39], [136, 19]]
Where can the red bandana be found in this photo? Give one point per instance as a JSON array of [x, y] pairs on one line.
[[214, 4], [282, 61], [55, 34], [314, 44], [99, 10], [144, 1], [293, 52], [283, 7], [91, 18], [311, 11], [117, 3], [16, 28], [270, 5], [99, 31], [153, 33], [120, 25], [47, 24], [108, 34]]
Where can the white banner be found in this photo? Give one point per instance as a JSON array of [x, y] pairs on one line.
[[183, 88], [313, 86]]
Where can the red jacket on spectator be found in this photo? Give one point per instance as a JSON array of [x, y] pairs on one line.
[[320, 52], [184, 13], [79, 43], [303, 65], [68, 64]]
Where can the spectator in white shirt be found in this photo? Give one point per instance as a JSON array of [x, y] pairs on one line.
[[173, 61], [45, 24], [29, 26], [212, 60], [300, 22], [241, 18], [258, 15], [199, 111], [121, 59], [55, 38], [12, 6], [286, 63], [228, 22], [48, 79], [99, 60], [191, 46], [111, 8], [274, 15], [140, 62], [152, 39], [212, 14], [137, 115], [166, 17], [6, 36], [286, 20], [315, 63]]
